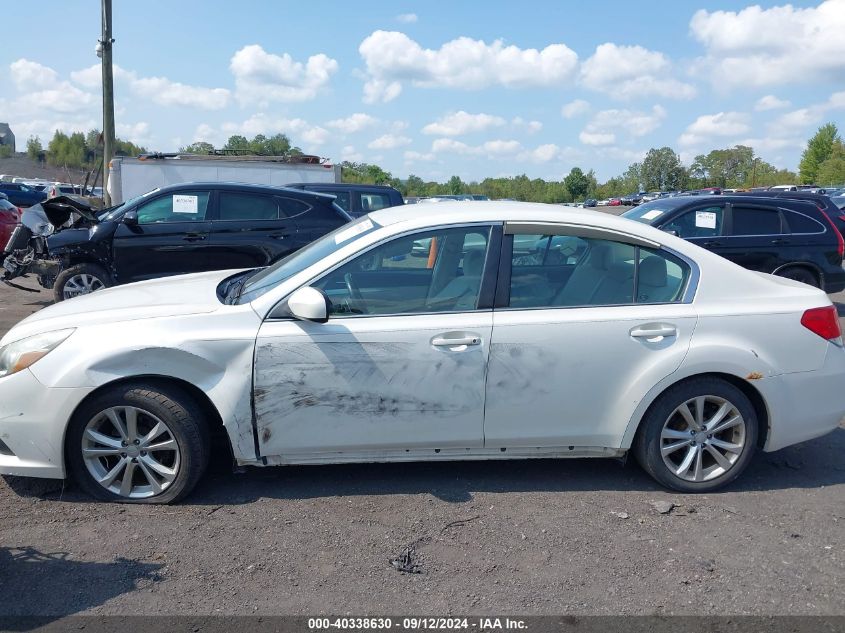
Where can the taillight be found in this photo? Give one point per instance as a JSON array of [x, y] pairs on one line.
[[824, 322], [841, 242]]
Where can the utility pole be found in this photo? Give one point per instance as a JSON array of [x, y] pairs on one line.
[[104, 48]]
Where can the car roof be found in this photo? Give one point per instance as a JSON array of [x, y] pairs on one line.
[[341, 185]]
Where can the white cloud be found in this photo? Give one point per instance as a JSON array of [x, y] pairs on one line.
[[160, 90], [28, 74], [603, 127], [708, 127], [301, 132], [412, 156], [349, 153], [138, 133], [496, 148], [389, 141], [770, 102], [353, 123], [460, 123], [801, 119], [597, 138], [531, 127], [632, 71], [574, 109], [780, 45], [392, 58], [406, 18], [262, 77], [542, 154], [172, 93]]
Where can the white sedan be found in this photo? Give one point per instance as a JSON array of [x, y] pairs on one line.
[[523, 331]]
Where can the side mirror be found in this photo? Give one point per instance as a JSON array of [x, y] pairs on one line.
[[670, 232], [309, 304], [130, 218]]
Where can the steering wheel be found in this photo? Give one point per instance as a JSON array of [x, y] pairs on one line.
[[355, 296]]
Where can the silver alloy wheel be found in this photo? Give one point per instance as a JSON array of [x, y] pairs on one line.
[[130, 452], [81, 284], [702, 438]]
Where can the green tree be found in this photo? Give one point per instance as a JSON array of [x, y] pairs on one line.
[[832, 170], [6, 151], [819, 149], [33, 147], [730, 167], [633, 178], [662, 170], [237, 142], [577, 183], [456, 185], [200, 147]]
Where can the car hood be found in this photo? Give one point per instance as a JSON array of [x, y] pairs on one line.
[[171, 296], [60, 209]]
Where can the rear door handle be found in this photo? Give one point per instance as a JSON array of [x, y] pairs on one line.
[[445, 341], [193, 237], [780, 241], [279, 236], [654, 331], [710, 244]]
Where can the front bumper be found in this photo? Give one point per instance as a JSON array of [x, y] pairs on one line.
[[805, 405], [33, 420]]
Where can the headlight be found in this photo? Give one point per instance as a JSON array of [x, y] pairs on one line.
[[21, 354]]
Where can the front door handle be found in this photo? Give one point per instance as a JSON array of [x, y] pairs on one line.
[[193, 237], [654, 330], [446, 341], [279, 236], [779, 242], [710, 244]]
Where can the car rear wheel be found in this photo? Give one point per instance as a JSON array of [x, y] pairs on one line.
[[138, 444], [78, 280], [698, 436], [800, 274]]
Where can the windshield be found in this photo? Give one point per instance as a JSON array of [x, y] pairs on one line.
[[267, 278], [651, 211], [112, 212]]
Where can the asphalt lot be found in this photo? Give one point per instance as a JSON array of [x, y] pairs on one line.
[[523, 537]]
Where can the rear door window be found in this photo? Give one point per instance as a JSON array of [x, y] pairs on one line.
[[290, 207], [755, 221], [371, 201], [247, 206]]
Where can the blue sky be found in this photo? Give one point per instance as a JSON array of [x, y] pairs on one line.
[[475, 89]]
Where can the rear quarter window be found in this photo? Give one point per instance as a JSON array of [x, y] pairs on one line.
[[800, 223]]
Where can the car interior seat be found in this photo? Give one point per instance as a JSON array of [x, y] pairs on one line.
[[462, 292]]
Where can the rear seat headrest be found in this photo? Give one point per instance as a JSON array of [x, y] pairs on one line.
[[601, 256], [653, 271]]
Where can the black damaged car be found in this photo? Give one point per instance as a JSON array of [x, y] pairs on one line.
[[185, 228]]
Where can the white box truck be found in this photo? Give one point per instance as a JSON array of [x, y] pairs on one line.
[[130, 177]]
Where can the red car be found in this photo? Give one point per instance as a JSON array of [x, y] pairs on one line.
[[10, 217], [614, 202]]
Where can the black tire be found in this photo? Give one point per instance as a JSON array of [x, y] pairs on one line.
[[648, 443], [97, 273], [185, 423], [800, 274]]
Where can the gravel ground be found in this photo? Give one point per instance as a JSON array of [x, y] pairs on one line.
[[522, 537]]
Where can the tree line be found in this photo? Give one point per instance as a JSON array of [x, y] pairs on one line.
[[737, 167], [77, 150]]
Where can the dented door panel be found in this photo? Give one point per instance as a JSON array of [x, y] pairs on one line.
[[579, 372], [371, 383]]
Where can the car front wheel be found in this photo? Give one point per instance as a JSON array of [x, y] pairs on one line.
[[78, 280], [698, 436], [138, 443]]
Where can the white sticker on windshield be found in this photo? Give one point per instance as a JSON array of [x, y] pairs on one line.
[[185, 204], [654, 213], [353, 231], [705, 219]]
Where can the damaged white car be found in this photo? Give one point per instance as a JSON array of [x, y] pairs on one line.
[[472, 331]]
